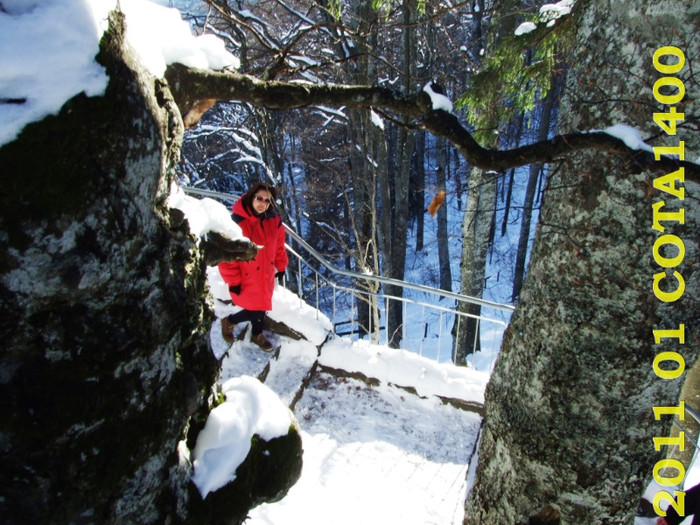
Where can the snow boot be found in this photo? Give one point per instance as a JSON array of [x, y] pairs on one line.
[[262, 342], [227, 329]]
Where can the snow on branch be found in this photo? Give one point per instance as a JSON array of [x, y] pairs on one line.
[[638, 155], [190, 85]]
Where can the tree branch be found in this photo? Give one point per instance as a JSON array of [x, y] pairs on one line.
[[219, 248], [189, 86], [446, 125]]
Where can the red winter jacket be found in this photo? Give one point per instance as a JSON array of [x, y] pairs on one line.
[[256, 277]]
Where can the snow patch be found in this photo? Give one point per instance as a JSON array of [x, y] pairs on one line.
[[251, 408], [549, 14], [160, 37], [552, 12], [204, 215], [439, 101], [629, 135], [47, 52], [404, 368], [525, 27], [47, 55], [377, 120]]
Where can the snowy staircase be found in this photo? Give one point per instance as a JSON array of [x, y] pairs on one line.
[[388, 435]]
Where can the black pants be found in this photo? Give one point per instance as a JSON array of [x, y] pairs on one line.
[[255, 317]]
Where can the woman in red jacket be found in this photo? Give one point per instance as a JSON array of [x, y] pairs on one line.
[[251, 283]]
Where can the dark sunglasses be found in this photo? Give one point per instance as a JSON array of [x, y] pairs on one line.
[[262, 199]]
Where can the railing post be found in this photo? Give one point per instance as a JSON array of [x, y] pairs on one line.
[[386, 320], [352, 315], [439, 338], [318, 302], [370, 320], [403, 321], [301, 284], [425, 329], [476, 335], [334, 308], [457, 337]]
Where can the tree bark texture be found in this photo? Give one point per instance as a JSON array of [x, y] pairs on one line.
[[569, 409], [105, 366], [476, 223]]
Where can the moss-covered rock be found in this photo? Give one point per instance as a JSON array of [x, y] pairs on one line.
[[104, 315], [269, 470], [569, 409]]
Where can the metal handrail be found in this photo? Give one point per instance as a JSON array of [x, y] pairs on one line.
[[367, 277], [377, 279], [396, 282]]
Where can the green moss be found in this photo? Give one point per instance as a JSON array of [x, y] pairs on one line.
[[220, 398]]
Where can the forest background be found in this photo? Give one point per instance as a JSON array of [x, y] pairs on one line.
[[356, 183]]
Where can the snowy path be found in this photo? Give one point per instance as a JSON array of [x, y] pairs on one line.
[[376, 455], [372, 455]]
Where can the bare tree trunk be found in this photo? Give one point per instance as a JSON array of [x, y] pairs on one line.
[[529, 199], [417, 196], [442, 238], [362, 173], [476, 228], [397, 262], [383, 221], [569, 415], [364, 215]]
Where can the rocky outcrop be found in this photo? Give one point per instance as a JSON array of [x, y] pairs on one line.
[[105, 368], [265, 476]]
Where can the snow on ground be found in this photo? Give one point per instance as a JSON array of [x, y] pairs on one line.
[[404, 368], [375, 455]]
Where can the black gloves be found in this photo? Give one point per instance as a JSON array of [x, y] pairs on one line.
[[280, 277]]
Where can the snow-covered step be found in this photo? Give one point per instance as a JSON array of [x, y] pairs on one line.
[[461, 386], [376, 454]]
